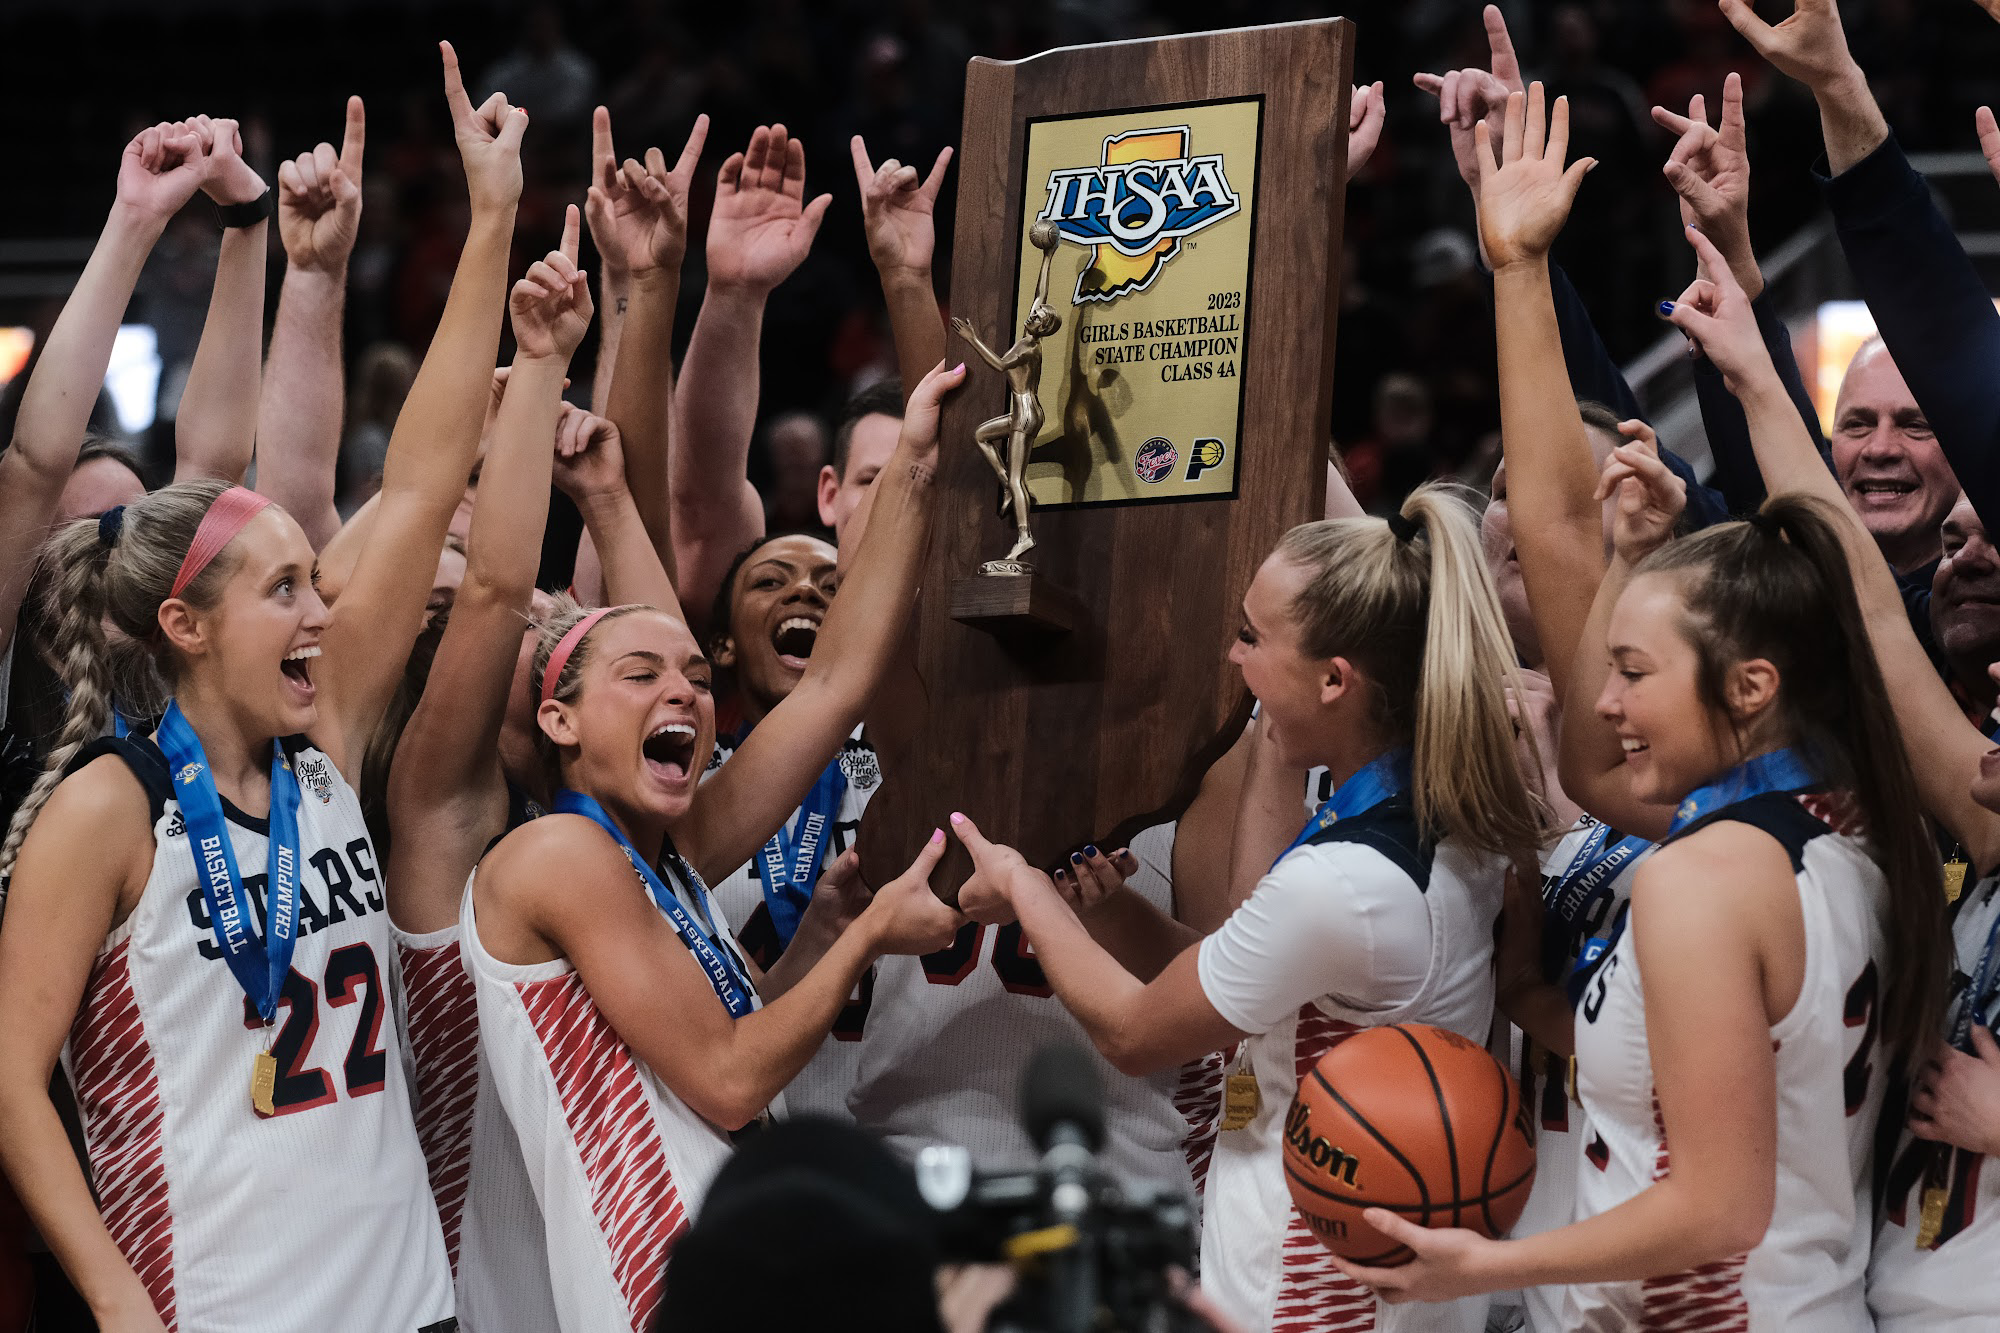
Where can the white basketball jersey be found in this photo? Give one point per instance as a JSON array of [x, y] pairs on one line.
[[318, 1216], [1953, 1286], [1419, 928], [821, 1088], [617, 1162], [1587, 878], [1807, 1272], [492, 1225], [949, 1034]]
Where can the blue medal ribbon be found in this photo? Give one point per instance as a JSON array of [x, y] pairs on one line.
[[1780, 770], [1386, 775], [1574, 899], [731, 985], [790, 860], [1977, 997], [260, 967]]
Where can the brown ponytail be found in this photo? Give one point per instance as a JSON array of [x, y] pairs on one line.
[[1779, 587]]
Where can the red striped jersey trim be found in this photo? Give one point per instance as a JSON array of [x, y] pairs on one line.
[[1198, 1100], [1313, 1295], [118, 1093], [632, 1191], [1708, 1299], [444, 1045]]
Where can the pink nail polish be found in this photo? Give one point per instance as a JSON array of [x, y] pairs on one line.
[[957, 818], [937, 836]]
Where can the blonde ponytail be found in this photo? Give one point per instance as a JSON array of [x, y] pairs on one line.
[[103, 583], [1411, 603], [1466, 771]]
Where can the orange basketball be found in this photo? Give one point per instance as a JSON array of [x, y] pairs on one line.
[[1413, 1119]]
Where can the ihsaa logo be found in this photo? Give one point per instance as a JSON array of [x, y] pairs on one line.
[[1136, 206]]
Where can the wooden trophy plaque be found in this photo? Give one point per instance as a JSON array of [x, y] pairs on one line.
[[1184, 196]]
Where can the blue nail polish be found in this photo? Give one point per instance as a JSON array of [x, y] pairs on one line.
[[1076, 858], [1666, 307], [1090, 851]]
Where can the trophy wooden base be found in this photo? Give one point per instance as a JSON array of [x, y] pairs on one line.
[[1007, 603]]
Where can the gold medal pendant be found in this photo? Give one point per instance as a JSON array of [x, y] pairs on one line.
[[263, 1083], [1954, 879], [1240, 1100], [1931, 1220]]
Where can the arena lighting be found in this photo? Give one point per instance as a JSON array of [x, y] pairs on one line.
[[132, 379], [1838, 329]]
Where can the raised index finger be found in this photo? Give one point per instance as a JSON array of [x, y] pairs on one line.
[[603, 161], [691, 152], [864, 169], [1506, 65], [454, 85], [570, 231]]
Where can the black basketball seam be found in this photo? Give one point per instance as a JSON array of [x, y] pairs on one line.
[[1507, 1095], [1423, 1189], [1444, 1119], [1358, 1202]]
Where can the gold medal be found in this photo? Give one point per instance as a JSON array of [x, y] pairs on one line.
[[1569, 1079], [1240, 1099], [1931, 1219], [1954, 879], [263, 1083]]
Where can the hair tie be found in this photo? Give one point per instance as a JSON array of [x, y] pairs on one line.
[[1767, 525], [552, 673], [1405, 529], [229, 515], [110, 526]]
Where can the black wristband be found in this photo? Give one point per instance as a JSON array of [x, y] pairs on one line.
[[246, 215]]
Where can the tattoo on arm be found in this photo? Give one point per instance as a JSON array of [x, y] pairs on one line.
[[922, 473]]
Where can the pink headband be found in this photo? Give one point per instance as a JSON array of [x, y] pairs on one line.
[[552, 674], [232, 510]]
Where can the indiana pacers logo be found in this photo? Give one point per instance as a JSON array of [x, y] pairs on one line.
[[1136, 206]]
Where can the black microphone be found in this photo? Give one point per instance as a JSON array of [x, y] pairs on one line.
[[1062, 1108]]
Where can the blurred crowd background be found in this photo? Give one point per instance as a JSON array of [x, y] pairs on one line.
[[1415, 385]]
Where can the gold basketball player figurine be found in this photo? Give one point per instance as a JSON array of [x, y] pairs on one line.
[[1022, 365]]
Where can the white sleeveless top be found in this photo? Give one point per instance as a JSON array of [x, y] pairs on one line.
[[1953, 1287], [1364, 931], [318, 1216], [1590, 868], [1807, 1272], [617, 1162], [821, 1088]]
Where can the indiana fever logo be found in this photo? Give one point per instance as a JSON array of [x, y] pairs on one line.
[[1136, 206]]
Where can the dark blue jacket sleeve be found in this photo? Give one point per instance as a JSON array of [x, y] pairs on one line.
[[1933, 313], [1736, 474], [1593, 375]]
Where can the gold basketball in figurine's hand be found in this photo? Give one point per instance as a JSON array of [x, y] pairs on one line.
[[1043, 235]]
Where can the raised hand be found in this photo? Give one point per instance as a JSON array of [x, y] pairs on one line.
[[590, 458], [1989, 136], [161, 169], [1367, 110], [1710, 171], [762, 228], [319, 199], [905, 915], [1468, 96], [638, 213], [1650, 495], [229, 179], [1957, 1097], [489, 140], [551, 305], [1810, 45], [896, 210], [1524, 201], [920, 414], [1715, 315]]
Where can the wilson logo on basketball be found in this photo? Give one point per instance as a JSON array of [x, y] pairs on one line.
[[1324, 1156]]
